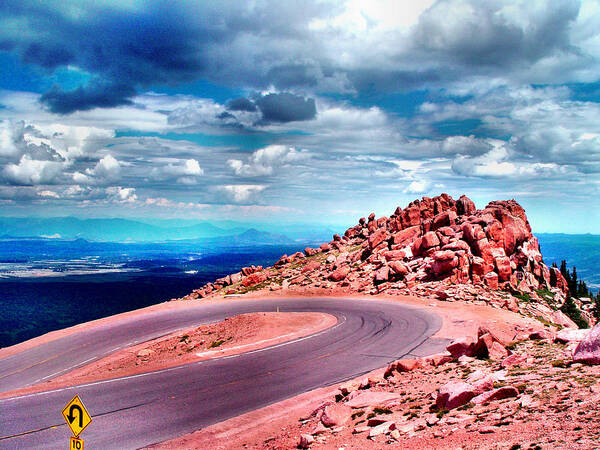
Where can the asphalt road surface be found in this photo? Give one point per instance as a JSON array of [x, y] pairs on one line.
[[139, 410]]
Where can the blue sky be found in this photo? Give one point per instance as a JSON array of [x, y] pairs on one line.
[[299, 112]]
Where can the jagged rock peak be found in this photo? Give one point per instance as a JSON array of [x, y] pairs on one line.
[[430, 239]]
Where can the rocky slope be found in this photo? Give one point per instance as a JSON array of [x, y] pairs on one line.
[[434, 247]]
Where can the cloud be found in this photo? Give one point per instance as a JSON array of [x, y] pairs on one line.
[[240, 193], [106, 170], [263, 161], [162, 202], [497, 164], [30, 172], [94, 95], [121, 195], [286, 107], [186, 172], [241, 104], [48, 194], [416, 187], [313, 47]]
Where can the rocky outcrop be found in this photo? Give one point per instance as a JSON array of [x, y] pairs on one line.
[[432, 239]]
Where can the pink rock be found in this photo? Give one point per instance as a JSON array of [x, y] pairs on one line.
[[491, 279], [516, 359], [254, 279], [336, 415], [461, 346], [377, 238], [430, 240], [503, 267], [465, 206], [454, 394], [444, 266], [484, 384], [368, 398], [398, 268], [570, 335], [488, 347], [325, 247], [384, 428], [541, 334], [403, 365], [313, 265], [306, 440], [439, 359], [588, 350], [406, 235], [382, 274], [394, 255], [339, 274], [496, 394]]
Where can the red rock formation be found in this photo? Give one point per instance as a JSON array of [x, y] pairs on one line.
[[431, 239]]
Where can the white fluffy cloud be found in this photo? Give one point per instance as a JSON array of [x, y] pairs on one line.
[[121, 195], [32, 172], [263, 161], [240, 193], [184, 172], [417, 187]]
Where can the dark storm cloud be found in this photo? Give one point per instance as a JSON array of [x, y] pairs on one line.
[[286, 107], [135, 46], [93, 95], [484, 36], [241, 104]]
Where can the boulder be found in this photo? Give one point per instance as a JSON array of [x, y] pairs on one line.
[[254, 279], [382, 275], [489, 347], [567, 335], [430, 240], [371, 398], [311, 266], [503, 268], [461, 347], [398, 268], [465, 206], [336, 415], [454, 394], [377, 238], [491, 280], [339, 274], [394, 255], [496, 394], [516, 359], [406, 235], [560, 318], [403, 365], [588, 350], [383, 428], [306, 440]]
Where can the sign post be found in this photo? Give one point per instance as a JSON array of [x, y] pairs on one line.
[[77, 418]]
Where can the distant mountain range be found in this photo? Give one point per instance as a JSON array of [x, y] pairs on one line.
[[127, 230]]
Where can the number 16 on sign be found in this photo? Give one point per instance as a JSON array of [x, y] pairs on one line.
[[76, 444]]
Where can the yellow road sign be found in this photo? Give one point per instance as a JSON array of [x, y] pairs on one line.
[[75, 444], [76, 416]]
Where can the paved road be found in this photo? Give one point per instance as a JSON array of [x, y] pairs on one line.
[[142, 409]]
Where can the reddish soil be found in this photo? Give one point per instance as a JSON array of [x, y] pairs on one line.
[[232, 336]]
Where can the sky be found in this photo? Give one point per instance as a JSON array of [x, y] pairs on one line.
[[316, 112]]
